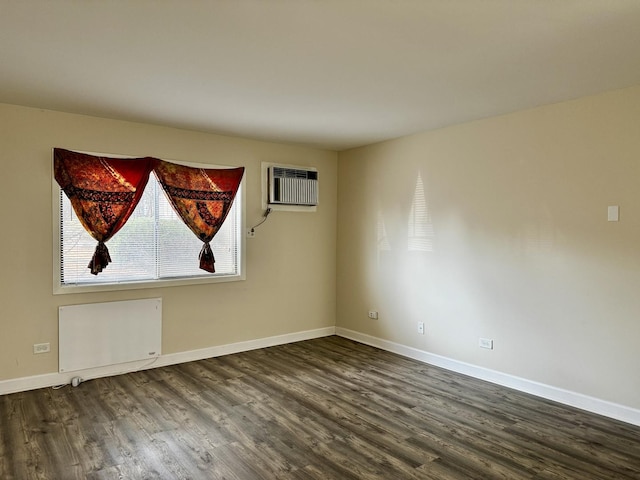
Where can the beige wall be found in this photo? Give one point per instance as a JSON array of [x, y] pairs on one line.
[[515, 245], [290, 285]]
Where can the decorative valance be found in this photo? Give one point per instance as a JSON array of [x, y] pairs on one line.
[[104, 191]]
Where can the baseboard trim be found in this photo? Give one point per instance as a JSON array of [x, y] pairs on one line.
[[566, 397], [52, 379]]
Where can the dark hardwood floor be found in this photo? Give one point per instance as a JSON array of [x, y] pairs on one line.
[[320, 409]]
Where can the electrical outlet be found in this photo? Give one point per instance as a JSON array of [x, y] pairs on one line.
[[373, 315], [251, 233], [41, 348], [486, 343], [421, 328]]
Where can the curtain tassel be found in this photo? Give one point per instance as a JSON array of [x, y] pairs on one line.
[[100, 259], [207, 260]]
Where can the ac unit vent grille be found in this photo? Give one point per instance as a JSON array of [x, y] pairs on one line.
[[292, 186], [283, 172]]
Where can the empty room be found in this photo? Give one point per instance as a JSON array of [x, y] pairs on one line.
[[320, 239]]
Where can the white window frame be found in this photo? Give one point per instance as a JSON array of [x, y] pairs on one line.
[[60, 288]]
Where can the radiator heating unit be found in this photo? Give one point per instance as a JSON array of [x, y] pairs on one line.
[[100, 334]]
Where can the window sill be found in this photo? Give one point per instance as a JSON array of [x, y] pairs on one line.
[[143, 284]]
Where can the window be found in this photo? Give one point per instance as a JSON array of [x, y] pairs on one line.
[[154, 248]]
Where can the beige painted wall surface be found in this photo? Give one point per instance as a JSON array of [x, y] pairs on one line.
[[290, 285], [498, 229]]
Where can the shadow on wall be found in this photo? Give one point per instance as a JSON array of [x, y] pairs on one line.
[[405, 238], [420, 231]]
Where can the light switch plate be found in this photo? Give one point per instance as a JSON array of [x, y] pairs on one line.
[[613, 213]]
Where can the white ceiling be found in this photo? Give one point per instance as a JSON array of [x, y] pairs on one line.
[[329, 73]]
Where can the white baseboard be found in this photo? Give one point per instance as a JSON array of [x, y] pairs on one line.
[[578, 400], [566, 397], [53, 379]]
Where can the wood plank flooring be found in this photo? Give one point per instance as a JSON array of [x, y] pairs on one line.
[[321, 409]]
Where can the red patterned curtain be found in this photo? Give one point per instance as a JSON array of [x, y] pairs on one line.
[[202, 198], [103, 192]]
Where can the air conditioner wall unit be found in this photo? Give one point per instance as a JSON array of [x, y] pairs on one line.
[[292, 186]]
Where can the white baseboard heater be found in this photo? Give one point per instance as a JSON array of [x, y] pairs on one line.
[[101, 334]]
